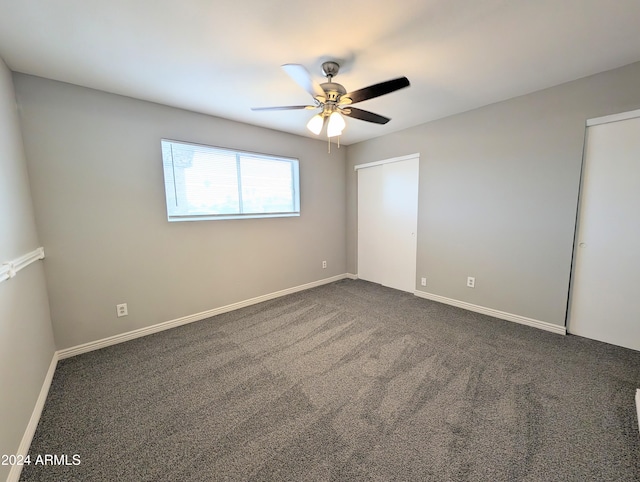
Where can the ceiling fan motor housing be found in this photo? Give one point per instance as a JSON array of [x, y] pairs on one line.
[[333, 91]]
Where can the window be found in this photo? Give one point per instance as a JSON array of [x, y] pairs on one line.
[[204, 182]]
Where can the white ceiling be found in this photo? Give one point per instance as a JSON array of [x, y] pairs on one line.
[[221, 57]]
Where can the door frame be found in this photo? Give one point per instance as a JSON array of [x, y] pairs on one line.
[[387, 161]]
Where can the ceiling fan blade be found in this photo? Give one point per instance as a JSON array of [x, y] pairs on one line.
[[302, 77], [375, 90], [365, 115], [286, 107]]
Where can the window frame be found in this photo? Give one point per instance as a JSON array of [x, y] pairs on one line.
[[177, 211]]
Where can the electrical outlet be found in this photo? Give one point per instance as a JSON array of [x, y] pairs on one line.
[[122, 310], [423, 281], [471, 282], [324, 265]]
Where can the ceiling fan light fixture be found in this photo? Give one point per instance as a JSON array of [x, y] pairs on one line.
[[315, 124], [336, 124]]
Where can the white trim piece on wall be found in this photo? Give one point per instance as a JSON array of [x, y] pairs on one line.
[[638, 406], [386, 161], [23, 449], [11, 268], [613, 118], [166, 325], [523, 320]]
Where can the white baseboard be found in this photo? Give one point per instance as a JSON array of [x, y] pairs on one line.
[[543, 325], [166, 325], [23, 449], [638, 406]]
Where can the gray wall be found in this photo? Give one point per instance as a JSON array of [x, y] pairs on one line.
[[98, 190], [26, 338], [499, 191]]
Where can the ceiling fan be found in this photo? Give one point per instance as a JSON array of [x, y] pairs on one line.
[[334, 101]]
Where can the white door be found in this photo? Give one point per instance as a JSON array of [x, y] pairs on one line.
[[387, 222], [605, 293]]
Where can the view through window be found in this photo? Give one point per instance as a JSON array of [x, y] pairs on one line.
[[206, 182]]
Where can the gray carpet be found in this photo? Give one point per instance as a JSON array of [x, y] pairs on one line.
[[347, 381]]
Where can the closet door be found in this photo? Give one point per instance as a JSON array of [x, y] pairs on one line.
[[605, 293], [387, 222]]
